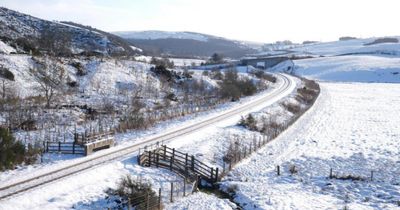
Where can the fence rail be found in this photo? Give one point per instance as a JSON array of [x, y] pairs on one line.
[[64, 147], [181, 163]]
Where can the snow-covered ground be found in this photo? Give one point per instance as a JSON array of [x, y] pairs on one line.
[[353, 129], [355, 68], [349, 47], [201, 201], [161, 35], [90, 186]]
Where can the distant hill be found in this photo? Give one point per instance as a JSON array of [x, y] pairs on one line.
[[27, 33], [187, 44]]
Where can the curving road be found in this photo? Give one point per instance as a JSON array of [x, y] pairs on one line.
[[9, 189]]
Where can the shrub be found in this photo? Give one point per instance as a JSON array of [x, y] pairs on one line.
[[80, 70], [171, 97], [205, 73], [249, 122], [6, 74], [247, 87], [232, 87], [232, 152], [293, 169], [292, 107], [263, 75], [216, 74], [134, 193], [13, 153]]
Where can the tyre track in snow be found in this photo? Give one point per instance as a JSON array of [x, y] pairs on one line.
[[27, 184]]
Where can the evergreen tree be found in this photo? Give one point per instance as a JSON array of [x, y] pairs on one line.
[[11, 152]]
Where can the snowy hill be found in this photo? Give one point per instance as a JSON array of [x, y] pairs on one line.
[[187, 44], [354, 46], [162, 35], [26, 33], [354, 68]]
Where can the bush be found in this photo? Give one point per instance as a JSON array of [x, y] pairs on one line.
[[171, 97], [292, 107], [262, 75], [293, 170], [80, 70], [249, 122], [247, 87], [6, 74], [12, 152], [134, 193], [232, 87], [216, 74], [162, 62]]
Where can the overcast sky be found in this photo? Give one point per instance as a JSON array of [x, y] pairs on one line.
[[253, 20]]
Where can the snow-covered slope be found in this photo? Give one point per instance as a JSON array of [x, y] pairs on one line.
[[354, 46], [29, 33], [353, 129], [162, 35], [355, 68], [186, 44]]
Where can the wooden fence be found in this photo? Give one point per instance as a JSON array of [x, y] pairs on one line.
[[181, 163], [64, 147]]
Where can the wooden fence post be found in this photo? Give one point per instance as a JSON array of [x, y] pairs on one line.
[[157, 159], [372, 175], [192, 163], [278, 170], [159, 199], [59, 146], [172, 159], [172, 191], [149, 152], [216, 174], [184, 187], [165, 152], [186, 159], [330, 174]]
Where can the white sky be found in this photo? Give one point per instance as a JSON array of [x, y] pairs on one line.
[[252, 20]]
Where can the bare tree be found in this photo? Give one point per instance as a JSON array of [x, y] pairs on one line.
[[50, 78]]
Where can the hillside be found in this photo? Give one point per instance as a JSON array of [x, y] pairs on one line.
[[27, 34], [375, 46], [187, 44]]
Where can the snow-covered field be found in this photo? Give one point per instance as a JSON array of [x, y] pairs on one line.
[[349, 47], [353, 129], [355, 68]]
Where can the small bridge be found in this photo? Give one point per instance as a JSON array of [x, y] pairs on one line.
[[183, 164], [83, 144]]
